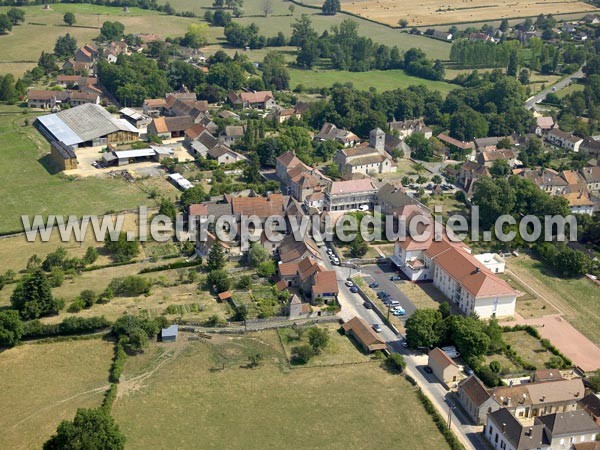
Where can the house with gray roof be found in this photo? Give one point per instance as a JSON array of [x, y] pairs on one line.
[[504, 432], [476, 399], [562, 430]]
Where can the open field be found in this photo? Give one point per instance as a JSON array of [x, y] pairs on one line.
[[577, 299], [20, 49], [185, 404], [574, 87], [281, 20], [529, 305], [43, 384], [340, 350], [31, 188], [528, 347], [382, 80], [430, 12]]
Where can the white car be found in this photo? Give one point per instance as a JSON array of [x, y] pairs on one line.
[[349, 283]]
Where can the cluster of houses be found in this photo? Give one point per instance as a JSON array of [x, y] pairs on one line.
[[551, 410]]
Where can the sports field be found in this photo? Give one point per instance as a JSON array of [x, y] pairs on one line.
[[195, 394], [431, 12], [43, 384]]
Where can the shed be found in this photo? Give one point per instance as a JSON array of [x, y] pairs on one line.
[[169, 334], [444, 369], [223, 296], [364, 335]]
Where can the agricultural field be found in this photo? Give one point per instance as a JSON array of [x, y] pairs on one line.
[[430, 12], [382, 80], [214, 401], [576, 298], [20, 49], [281, 19], [35, 189], [43, 384]]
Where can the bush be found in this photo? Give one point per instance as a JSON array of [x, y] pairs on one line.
[[109, 398], [118, 363], [77, 305], [395, 362], [130, 286], [88, 297], [173, 265], [302, 354]]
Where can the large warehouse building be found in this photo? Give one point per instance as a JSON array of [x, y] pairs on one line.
[[86, 125]]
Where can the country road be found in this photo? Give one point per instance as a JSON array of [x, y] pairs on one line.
[[532, 101]]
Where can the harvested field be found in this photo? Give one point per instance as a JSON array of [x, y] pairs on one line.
[[430, 12]]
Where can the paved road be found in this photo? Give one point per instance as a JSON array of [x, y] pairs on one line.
[[352, 305], [532, 101]]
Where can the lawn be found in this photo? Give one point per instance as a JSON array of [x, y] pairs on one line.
[[423, 296], [576, 298], [43, 384], [529, 305], [528, 347], [339, 350], [382, 80], [573, 87], [21, 48], [29, 188], [192, 401]]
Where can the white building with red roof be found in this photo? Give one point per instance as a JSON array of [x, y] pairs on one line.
[[463, 279]]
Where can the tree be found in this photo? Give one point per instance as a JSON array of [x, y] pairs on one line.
[[318, 338], [396, 362], [16, 16], [291, 9], [513, 64], [257, 254], [302, 354], [524, 76], [275, 72], [112, 31], [266, 269], [216, 257], [5, 24], [137, 340], [167, 208], [421, 330], [121, 249], [219, 280], [47, 62], [331, 7], [403, 23], [11, 328], [69, 18], [503, 25], [594, 381], [32, 297], [192, 196], [89, 297], [196, 35], [267, 7], [8, 92], [444, 309], [91, 429], [494, 197], [91, 255], [495, 366], [500, 168], [65, 46], [358, 247], [468, 335]]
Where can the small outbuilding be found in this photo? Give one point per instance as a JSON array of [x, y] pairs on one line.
[[444, 369], [169, 334], [368, 339]]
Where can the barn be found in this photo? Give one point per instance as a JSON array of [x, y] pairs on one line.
[[169, 334], [86, 125]]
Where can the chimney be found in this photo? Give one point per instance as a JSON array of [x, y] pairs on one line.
[[508, 401], [543, 399], [529, 432], [503, 427]]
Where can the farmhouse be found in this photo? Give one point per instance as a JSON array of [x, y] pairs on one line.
[[543, 125], [232, 134], [224, 155], [405, 128], [562, 429], [329, 132], [350, 195], [86, 125], [154, 107], [444, 369], [134, 118], [364, 335], [170, 127], [564, 140], [466, 147], [488, 157], [54, 99], [86, 54], [252, 100], [297, 179]]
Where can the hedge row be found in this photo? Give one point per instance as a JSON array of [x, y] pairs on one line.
[[175, 265], [109, 398], [106, 266], [68, 327], [552, 349], [440, 423], [118, 363]]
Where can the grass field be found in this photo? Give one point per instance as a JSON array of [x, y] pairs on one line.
[[185, 404], [577, 299], [43, 384], [574, 87], [382, 80], [281, 20], [529, 305], [29, 188], [528, 347], [20, 49], [430, 12]]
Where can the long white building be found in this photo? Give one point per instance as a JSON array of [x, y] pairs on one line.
[[463, 279]]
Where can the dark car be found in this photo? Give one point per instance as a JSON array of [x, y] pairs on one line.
[[374, 285], [382, 294], [368, 305], [395, 278], [427, 369], [354, 289]]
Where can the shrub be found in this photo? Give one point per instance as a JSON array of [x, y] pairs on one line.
[[77, 305], [395, 362], [130, 286], [302, 354], [118, 363], [68, 327]]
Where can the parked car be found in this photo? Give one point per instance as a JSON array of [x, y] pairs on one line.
[[354, 289], [382, 294], [368, 305], [395, 278], [377, 327], [427, 369], [349, 283], [374, 285], [398, 313], [468, 371]]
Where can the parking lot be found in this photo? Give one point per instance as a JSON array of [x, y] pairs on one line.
[[381, 274]]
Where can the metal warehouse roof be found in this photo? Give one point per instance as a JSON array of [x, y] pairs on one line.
[[140, 153], [84, 123], [171, 331], [131, 113]]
